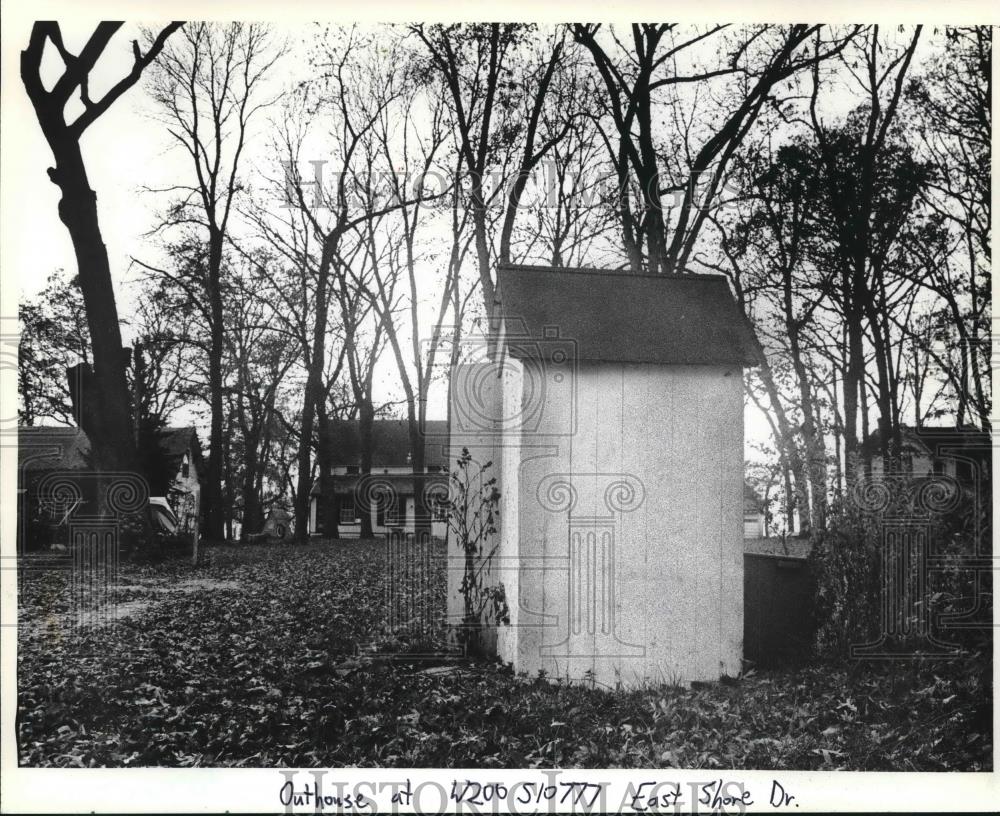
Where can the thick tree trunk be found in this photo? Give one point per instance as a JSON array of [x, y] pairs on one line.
[[252, 515], [852, 386], [866, 459], [656, 244], [366, 429], [484, 264], [630, 237], [112, 449], [838, 438], [303, 484], [326, 509], [312, 392], [421, 513], [228, 480], [215, 510], [110, 407], [792, 454], [815, 448]]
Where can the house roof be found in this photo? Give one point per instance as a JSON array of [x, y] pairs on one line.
[[390, 443], [615, 316], [177, 441], [399, 483], [790, 547], [44, 447], [940, 440]]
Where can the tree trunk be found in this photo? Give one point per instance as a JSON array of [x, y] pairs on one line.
[[656, 245], [793, 456], [252, 516], [866, 459], [852, 385], [215, 511], [630, 238], [815, 449], [326, 510], [366, 429], [112, 450], [312, 391], [421, 513]]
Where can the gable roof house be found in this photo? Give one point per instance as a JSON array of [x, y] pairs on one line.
[[964, 453], [387, 492], [613, 413], [53, 459]]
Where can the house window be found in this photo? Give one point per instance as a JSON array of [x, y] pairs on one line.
[[186, 467], [348, 511]]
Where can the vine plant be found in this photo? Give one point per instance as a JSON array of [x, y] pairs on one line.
[[472, 514]]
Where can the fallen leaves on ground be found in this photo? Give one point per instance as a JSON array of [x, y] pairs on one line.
[[267, 661]]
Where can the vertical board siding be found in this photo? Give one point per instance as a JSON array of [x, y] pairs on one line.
[[674, 594]]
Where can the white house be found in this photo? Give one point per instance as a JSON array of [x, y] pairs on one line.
[[386, 493], [612, 409], [753, 513], [183, 449], [963, 453]]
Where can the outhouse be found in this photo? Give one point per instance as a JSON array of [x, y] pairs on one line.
[[610, 405]]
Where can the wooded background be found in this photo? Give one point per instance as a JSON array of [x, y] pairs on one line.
[[344, 195]]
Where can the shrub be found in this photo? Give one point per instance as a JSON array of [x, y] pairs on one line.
[[472, 515], [852, 579]]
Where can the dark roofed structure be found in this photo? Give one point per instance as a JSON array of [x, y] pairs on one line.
[[45, 447], [622, 317], [390, 443], [935, 439], [48, 447], [177, 441]]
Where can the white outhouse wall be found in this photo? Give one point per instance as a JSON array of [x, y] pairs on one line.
[[476, 409], [669, 605], [641, 580]]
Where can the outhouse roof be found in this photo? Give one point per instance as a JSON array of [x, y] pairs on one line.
[[622, 317]]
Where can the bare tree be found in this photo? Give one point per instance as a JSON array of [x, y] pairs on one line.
[[633, 76], [402, 264], [951, 106], [53, 336], [261, 357], [863, 278], [208, 87], [355, 86], [474, 63], [78, 212]]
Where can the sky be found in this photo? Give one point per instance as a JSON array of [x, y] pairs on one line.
[[125, 150]]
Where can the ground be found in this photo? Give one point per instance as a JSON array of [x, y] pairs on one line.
[[275, 655]]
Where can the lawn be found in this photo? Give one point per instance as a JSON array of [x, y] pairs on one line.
[[261, 656]]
